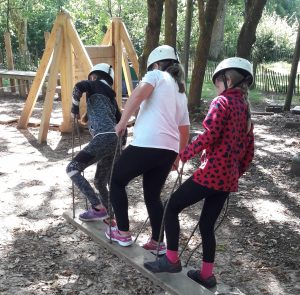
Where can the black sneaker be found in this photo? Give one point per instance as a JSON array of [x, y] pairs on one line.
[[207, 283], [163, 264]]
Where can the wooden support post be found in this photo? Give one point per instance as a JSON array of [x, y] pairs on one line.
[[1, 81], [46, 37], [1, 86], [79, 49], [67, 70], [129, 48], [39, 79], [10, 60], [118, 59], [63, 51], [22, 88], [127, 74], [107, 39], [51, 87]]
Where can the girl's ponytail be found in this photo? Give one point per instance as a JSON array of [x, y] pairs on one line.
[[175, 70]]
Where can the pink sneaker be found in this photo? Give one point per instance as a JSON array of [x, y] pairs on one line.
[[151, 246], [115, 236], [113, 223]]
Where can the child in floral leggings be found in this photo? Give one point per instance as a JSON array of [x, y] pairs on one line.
[[103, 114]]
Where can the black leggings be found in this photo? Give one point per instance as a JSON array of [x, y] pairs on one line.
[[186, 195], [154, 165]]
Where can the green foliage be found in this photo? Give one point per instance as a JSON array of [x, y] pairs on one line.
[[233, 22], [209, 93], [134, 15], [275, 38], [40, 16], [91, 20], [283, 7]]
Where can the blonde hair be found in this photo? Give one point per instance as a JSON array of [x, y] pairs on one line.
[[235, 77]]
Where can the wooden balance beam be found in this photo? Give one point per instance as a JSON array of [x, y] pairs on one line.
[[176, 283]]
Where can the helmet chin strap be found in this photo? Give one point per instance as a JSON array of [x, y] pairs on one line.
[[236, 84], [225, 81]]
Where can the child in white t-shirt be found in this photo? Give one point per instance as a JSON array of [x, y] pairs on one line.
[[160, 131]]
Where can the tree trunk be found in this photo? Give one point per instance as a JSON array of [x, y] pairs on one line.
[[187, 36], [155, 8], [247, 36], [217, 38], [20, 23], [206, 20], [293, 74], [170, 22]]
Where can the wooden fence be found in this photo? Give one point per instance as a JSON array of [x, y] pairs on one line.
[[272, 81], [265, 79]]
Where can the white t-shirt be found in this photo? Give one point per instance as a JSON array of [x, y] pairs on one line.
[[160, 115]]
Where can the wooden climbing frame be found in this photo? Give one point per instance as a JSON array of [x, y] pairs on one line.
[[67, 59]]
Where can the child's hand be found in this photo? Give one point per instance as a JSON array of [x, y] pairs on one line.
[[120, 128], [75, 112], [175, 165], [183, 155]]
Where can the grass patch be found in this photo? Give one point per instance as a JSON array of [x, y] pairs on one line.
[[209, 93]]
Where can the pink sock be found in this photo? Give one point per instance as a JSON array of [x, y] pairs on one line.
[[206, 270], [172, 256]]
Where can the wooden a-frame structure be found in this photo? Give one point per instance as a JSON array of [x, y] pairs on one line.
[[67, 59]]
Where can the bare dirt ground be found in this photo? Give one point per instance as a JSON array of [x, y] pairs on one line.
[[258, 241]]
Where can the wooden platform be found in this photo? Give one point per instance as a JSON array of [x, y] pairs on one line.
[[135, 255], [24, 80]]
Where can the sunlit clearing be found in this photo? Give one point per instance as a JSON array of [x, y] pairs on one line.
[[76, 149], [138, 213], [32, 203], [275, 287], [267, 211]]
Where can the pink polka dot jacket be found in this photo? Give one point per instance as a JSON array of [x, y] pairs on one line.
[[225, 146]]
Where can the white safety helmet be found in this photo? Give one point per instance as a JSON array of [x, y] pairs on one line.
[[105, 68], [243, 66], [161, 53]]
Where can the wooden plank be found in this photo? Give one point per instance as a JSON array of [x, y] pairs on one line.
[[26, 75], [177, 283], [79, 49], [1, 86], [118, 59], [22, 88], [262, 113], [67, 70], [107, 39], [46, 37], [51, 88], [100, 51], [39, 79], [129, 48], [100, 54], [127, 74]]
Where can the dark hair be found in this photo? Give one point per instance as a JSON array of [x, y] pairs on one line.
[[103, 76], [175, 70]]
